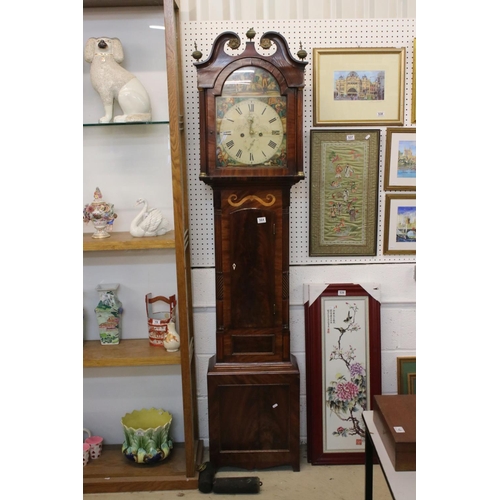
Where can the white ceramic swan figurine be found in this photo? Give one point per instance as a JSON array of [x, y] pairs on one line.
[[148, 222]]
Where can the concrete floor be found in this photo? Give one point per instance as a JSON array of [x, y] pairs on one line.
[[313, 482]]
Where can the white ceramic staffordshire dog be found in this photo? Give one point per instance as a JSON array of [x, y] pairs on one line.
[[112, 81]]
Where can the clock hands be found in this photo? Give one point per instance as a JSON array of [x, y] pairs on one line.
[[250, 121], [251, 131]]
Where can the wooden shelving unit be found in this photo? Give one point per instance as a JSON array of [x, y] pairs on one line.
[[124, 241], [129, 352], [112, 472]]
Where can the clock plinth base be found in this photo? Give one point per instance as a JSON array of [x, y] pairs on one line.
[[254, 414]]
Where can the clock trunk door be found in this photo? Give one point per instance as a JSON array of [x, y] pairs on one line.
[[252, 279], [251, 262]]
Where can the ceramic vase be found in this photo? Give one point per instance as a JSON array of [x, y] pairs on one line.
[[109, 314], [172, 340]]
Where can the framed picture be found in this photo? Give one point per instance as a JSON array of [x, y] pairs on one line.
[[414, 84], [358, 86], [407, 375], [401, 159], [343, 370], [400, 228], [344, 192], [412, 383]]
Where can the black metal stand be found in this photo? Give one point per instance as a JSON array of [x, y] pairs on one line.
[[368, 466]]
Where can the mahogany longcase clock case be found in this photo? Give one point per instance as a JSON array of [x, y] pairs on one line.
[[251, 133]]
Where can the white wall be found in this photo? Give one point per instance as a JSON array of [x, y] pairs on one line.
[[235, 10]]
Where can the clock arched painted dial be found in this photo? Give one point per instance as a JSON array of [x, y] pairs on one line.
[[251, 132]]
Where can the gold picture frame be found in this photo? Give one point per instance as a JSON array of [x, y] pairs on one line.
[[358, 86], [407, 374], [400, 159], [400, 228], [414, 84]]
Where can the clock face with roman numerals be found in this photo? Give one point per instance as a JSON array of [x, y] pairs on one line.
[[251, 131]]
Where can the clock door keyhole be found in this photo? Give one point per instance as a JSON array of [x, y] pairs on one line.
[[234, 267]]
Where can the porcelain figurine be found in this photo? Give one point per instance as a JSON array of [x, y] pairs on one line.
[[148, 222], [101, 214], [113, 82]]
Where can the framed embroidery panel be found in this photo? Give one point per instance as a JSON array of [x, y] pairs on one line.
[[344, 192], [343, 370]]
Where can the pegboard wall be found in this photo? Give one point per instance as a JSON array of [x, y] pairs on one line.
[[320, 33]]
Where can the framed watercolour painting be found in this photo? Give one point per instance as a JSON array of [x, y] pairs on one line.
[[407, 375], [400, 228], [414, 84], [358, 86], [344, 192], [343, 370], [401, 159]]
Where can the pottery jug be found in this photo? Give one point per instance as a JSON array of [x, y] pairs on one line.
[[158, 321]]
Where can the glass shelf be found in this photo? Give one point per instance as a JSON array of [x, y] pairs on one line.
[[121, 3], [125, 123]]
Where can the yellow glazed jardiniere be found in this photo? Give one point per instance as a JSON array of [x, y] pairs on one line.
[[147, 435]]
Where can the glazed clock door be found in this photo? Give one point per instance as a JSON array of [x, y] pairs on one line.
[[251, 267]]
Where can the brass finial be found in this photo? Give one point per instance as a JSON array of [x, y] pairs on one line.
[[196, 54], [250, 34], [265, 43], [301, 53], [234, 43]]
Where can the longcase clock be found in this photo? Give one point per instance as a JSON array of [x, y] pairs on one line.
[[251, 151]]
